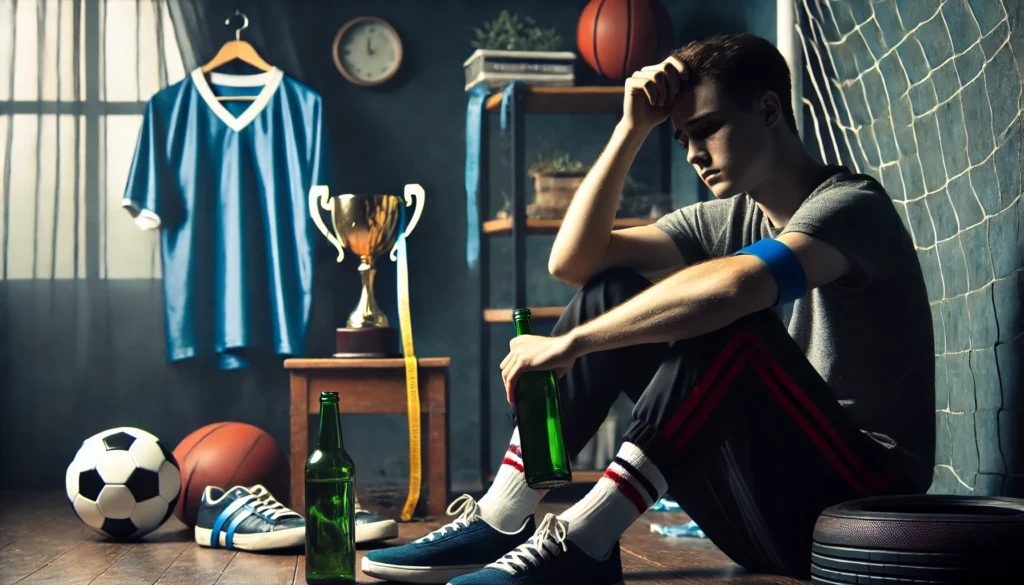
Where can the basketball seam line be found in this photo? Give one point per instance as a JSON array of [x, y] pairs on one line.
[[188, 482], [231, 480], [597, 18], [203, 438], [188, 487]]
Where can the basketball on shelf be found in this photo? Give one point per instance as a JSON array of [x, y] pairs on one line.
[[226, 454], [618, 37], [123, 483]]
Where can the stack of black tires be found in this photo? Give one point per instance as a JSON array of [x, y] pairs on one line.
[[920, 539]]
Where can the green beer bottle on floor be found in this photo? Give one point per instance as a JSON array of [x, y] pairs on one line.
[[545, 459], [330, 503]]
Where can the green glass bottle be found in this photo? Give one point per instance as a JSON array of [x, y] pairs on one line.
[[545, 459], [330, 503]]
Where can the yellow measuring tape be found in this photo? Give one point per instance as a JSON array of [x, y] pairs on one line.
[[412, 387]]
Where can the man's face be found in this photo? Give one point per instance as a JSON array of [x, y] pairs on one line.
[[727, 146]]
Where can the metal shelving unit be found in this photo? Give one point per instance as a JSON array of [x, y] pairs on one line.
[[522, 101]]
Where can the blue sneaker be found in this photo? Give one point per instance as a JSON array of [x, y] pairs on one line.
[[462, 546], [548, 558], [247, 518]]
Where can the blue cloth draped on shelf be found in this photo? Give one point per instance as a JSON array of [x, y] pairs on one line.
[[474, 150]]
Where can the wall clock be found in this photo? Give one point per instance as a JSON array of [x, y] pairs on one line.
[[367, 51]]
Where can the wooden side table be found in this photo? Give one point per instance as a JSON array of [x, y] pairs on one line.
[[371, 386]]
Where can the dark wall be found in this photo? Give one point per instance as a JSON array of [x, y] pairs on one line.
[[80, 357]]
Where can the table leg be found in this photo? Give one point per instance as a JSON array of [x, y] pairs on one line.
[[438, 445], [299, 440]]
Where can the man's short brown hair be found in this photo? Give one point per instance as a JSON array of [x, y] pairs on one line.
[[745, 65]]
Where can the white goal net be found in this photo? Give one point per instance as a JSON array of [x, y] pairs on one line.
[[925, 95]]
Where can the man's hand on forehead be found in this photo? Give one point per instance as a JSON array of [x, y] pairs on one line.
[[663, 81], [651, 93]]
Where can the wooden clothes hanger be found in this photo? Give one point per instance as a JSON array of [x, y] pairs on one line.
[[237, 49]]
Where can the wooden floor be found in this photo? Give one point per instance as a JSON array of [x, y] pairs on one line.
[[43, 542]]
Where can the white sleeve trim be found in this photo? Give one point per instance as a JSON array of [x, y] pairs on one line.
[[144, 218]]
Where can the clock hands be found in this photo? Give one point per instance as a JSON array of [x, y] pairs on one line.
[[374, 64]]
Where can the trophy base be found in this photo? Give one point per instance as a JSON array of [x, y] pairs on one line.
[[366, 342]]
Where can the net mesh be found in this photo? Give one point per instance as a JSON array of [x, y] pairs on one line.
[[925, 96]]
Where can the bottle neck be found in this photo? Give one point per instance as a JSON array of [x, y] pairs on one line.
[[523, 326], [329, 435]]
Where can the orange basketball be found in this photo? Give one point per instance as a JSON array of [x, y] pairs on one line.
[[618, 37], [227, 454]]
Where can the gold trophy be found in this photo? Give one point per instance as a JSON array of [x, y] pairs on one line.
[[367, 225]]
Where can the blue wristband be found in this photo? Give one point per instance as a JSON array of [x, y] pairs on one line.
[[784, 266]]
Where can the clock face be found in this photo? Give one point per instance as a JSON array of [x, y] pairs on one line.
[[368, 51]]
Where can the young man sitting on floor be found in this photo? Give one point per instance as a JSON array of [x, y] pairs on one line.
[[753, 426]]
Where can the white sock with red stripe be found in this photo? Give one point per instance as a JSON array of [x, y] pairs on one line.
[[630, 485], [509, 501]]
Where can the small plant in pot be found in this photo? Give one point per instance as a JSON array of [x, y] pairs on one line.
[[556, 177], [510, 48], [508, 32]]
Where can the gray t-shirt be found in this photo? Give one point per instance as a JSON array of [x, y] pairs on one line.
[[868, 334]]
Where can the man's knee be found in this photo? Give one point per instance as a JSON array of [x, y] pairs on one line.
[[690, 363], [614, 286], [602, 293]]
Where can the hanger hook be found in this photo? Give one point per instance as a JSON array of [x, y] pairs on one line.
[[245, 24]]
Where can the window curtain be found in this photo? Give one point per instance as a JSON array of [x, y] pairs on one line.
[[82, 345]]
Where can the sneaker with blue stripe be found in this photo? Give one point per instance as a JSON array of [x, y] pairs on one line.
[[462, 546], [247, 518], [548, 558]]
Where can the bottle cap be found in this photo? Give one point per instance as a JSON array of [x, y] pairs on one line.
[[520, 314], [328, 397]]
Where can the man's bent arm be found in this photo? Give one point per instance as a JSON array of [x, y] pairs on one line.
[[703, 298], [582, 241]]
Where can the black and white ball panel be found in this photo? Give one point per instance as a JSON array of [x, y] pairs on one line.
[[115, 466], [170, 480], [120, 528], [119, 441], [123, 482], [133, 432], [116, 501], [143, 483]]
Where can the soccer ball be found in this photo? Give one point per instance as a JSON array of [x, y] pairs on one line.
[[123, 483]]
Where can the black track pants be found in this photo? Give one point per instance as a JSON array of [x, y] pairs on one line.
[[752, 441]]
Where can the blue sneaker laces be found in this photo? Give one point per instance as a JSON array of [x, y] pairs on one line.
[[544, 544], [468, 511], [268, 506]]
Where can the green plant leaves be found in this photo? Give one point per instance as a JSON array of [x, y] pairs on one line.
[[510, 33]]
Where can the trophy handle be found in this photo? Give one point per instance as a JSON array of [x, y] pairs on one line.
[[319, 196], [412, 191]]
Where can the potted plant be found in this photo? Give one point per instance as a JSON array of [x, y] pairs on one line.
[[512, 49], [556, 177]]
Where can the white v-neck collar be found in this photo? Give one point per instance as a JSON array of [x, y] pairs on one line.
[[270, 80]]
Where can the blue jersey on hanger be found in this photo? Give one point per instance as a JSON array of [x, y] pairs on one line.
[[227, 183]]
